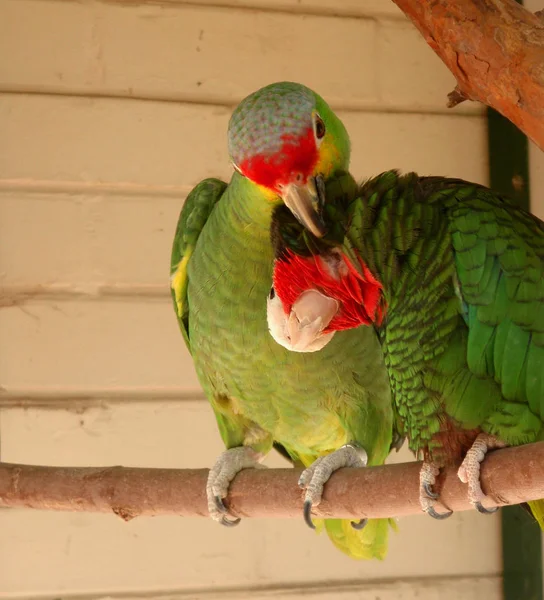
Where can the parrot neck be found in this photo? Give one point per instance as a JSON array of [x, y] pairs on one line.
[[251, 205]]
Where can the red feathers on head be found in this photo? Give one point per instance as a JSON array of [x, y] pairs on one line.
[[297, 155], [360, 295]]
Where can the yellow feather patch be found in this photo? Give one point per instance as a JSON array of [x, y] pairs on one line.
[[328, 156], [365, 544], [178, 281], [537, 508], [268, 194]]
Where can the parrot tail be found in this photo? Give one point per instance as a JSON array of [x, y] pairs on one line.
[[369, 542], [537, 508]]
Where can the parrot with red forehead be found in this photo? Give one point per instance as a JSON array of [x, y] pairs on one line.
[[451, 277], [325, 410]]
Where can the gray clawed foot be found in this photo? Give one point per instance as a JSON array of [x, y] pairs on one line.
[[227, 466], [427, 496], [469, 471], [316, 475]]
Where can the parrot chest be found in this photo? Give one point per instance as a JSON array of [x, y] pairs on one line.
[[295, 397]]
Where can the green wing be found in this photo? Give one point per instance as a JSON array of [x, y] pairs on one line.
[[474, 349], [194, 214], [233, 427], [499, 260]]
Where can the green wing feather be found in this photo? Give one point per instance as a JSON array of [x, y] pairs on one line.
[[194, 214], [499, 254], [499, 259]]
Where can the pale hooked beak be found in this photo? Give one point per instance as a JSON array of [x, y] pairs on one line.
[[305, 201]]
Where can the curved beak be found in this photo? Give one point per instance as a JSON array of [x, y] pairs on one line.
[[305, 202]]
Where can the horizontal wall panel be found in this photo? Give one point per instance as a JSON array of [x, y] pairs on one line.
[[88, 139], [217, 54], [90, 242], [70, 347]]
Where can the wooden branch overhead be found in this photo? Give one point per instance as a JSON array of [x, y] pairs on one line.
[[509, 476], [495, 49]]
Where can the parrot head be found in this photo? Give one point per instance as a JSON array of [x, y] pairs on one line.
[[286, 139], [313, 296]]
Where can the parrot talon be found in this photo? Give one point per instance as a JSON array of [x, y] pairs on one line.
[[220, 505], [229, 522], [427, 496], [427, 487], [485, 511], [227, 466], [314, 478], [438, 516], [358, 525], [308, 514], [469, 471]]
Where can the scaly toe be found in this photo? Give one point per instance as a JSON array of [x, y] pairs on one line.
[[470, 469], [485, 511], [317, 474], [226, 467], [308, 514], [358, 525], [438, 516]]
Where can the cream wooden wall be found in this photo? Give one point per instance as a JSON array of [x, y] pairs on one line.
[[109, 113]]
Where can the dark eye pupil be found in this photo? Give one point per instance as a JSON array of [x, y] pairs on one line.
[[319, 128], [272, 294]]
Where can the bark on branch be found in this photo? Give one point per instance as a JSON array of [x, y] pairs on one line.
[[495, 49], [509, 476]]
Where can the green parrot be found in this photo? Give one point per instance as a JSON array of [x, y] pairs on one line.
[[451, 276], [324, 410]]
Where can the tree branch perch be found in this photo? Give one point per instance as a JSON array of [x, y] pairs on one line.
[[509, 476], [495, 50]]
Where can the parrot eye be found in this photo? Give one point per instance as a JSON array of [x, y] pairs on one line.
[[272, 294], [319, 127]]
